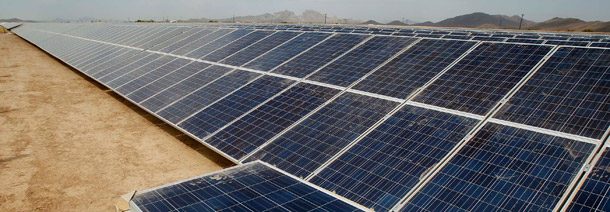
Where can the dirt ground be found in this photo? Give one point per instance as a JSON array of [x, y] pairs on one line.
[[68, 144]]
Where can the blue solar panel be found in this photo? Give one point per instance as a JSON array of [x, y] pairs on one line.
[[167, 81], [524, 40], [259, 48], [236, 45], [129, 75], [146, 78], [585, 39], [184, 42], [216, 44], [593, 195], [234, 105], [287, 51], [320, 55], [483, 77], [504, 169], [249, 187], [206, 95], [460, 37], [361, 60], [184, 87], [568, 94], [413, 68], [600, 44], [115, 73], [315, 140], [192, 43], [260, 125], [165, 43], [567, 43], [479, 38], [380, 169]]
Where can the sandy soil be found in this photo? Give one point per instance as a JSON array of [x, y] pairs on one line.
[[68, 144]]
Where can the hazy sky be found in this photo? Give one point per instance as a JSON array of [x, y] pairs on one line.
[[381, 10]]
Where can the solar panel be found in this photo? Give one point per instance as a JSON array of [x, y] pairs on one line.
[[231, 107], [129, 67], [259, 48], [151, 76], [381, 168], [250, 187], [569, 93], [191, 103], [184, 87], [236, 45], [218, 43], [593, 194], [567, 43], [246, 134], [198, 36], [316, 57], [192, 43], [483, 77], [504, 168], [129, 75], [316, 139], [290, 49], [360, 61], [600, 44], [413, 68], [524, 40]]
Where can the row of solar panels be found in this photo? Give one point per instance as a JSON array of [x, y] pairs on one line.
[[385, 121], [9, 25], [595, 40]]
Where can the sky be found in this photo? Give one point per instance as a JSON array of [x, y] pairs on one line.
[[379, 10]]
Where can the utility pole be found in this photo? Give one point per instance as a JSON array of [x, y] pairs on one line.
[[325, 18], [521, 22]]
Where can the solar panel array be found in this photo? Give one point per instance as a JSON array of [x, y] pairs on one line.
[[9, 25], [409, 119]]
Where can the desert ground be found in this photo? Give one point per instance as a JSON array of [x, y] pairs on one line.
[[69, 144]]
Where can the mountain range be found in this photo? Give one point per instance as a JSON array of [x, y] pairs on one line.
[[286, 16]]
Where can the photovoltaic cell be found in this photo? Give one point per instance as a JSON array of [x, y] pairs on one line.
[[594, 193], [130, 75], [320, 55], [193, 42], [286, 51], [216, 44], [479, 38], [231, 107], [504, 169], [260, 125], [184, 87], [206, 95], [249, 187], [567, 43], [167, 81], [414, 68], [151, 76], [360, 61], [185, 34], [315, 140], [259, 48], [483, 77], [236, 45], [600, 44], [380, 169], [525, 40], [184, 42], [569, 93], [129, 67]]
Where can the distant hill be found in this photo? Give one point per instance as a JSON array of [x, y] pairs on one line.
[[396, 23], [14, 20], [371, 22], [571, 24], [286, 16], [482, 20]]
